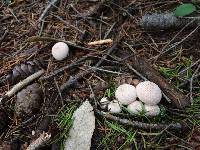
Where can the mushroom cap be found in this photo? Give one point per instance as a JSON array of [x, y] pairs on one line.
[[104, 102], [149, 93], [126, 94], [60, 51], [151, 110], [135, 108], [114, 107]]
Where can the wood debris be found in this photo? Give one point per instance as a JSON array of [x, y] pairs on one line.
[[101, 42]]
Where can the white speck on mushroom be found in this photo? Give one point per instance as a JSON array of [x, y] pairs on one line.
[[149, 93], [151, 110], [126, 94], [60, 51], [135, 107], [114, 107]]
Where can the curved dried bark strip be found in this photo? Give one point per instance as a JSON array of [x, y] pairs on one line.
[[177, 97]]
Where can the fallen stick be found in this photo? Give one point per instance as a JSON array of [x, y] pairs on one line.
[[56, 72], [48, 7], [39, 142], [141, 125], [100, 42], [38, 38], [22, 84], [191, 83], [177, 97], [96, 10], [73, 80], [165, 21]]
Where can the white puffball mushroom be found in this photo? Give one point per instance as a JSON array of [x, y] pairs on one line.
[[135, 107], [104, 102], [149, 93], [60, 51], [114, 107], [151, 110], [126, 94]]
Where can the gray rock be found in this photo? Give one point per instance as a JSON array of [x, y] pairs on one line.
[[81, 132]]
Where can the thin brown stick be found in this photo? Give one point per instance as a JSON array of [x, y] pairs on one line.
[[46, 10], [56, 72], [73, 80], [141, 125], [191, 83], [38, 38], [3, 36]]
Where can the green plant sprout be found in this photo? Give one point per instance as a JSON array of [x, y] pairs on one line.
[[64, 121]]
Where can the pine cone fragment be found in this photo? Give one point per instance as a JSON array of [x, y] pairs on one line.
[[24, 70], [29, 100]]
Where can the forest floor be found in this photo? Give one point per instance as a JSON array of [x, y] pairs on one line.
[[90, 72]]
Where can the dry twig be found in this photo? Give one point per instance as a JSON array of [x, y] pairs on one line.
[[141, 125], [39, 142], [100, 42], [73, 80], [56, 72], [191, 83], [22, 84], [38, 38], [52, 3]]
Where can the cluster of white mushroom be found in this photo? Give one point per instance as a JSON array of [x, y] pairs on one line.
[[147, 92]]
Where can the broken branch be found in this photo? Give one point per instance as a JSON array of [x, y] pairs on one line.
[[141, 125], [177, 97], [48, 7], [22, 84], [38, 38]]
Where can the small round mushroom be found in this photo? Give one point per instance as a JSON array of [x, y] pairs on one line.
[[114, 107], [104, 103], [151, 110], [126, 94], [135, 107], [149, 93], [60, 51]]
